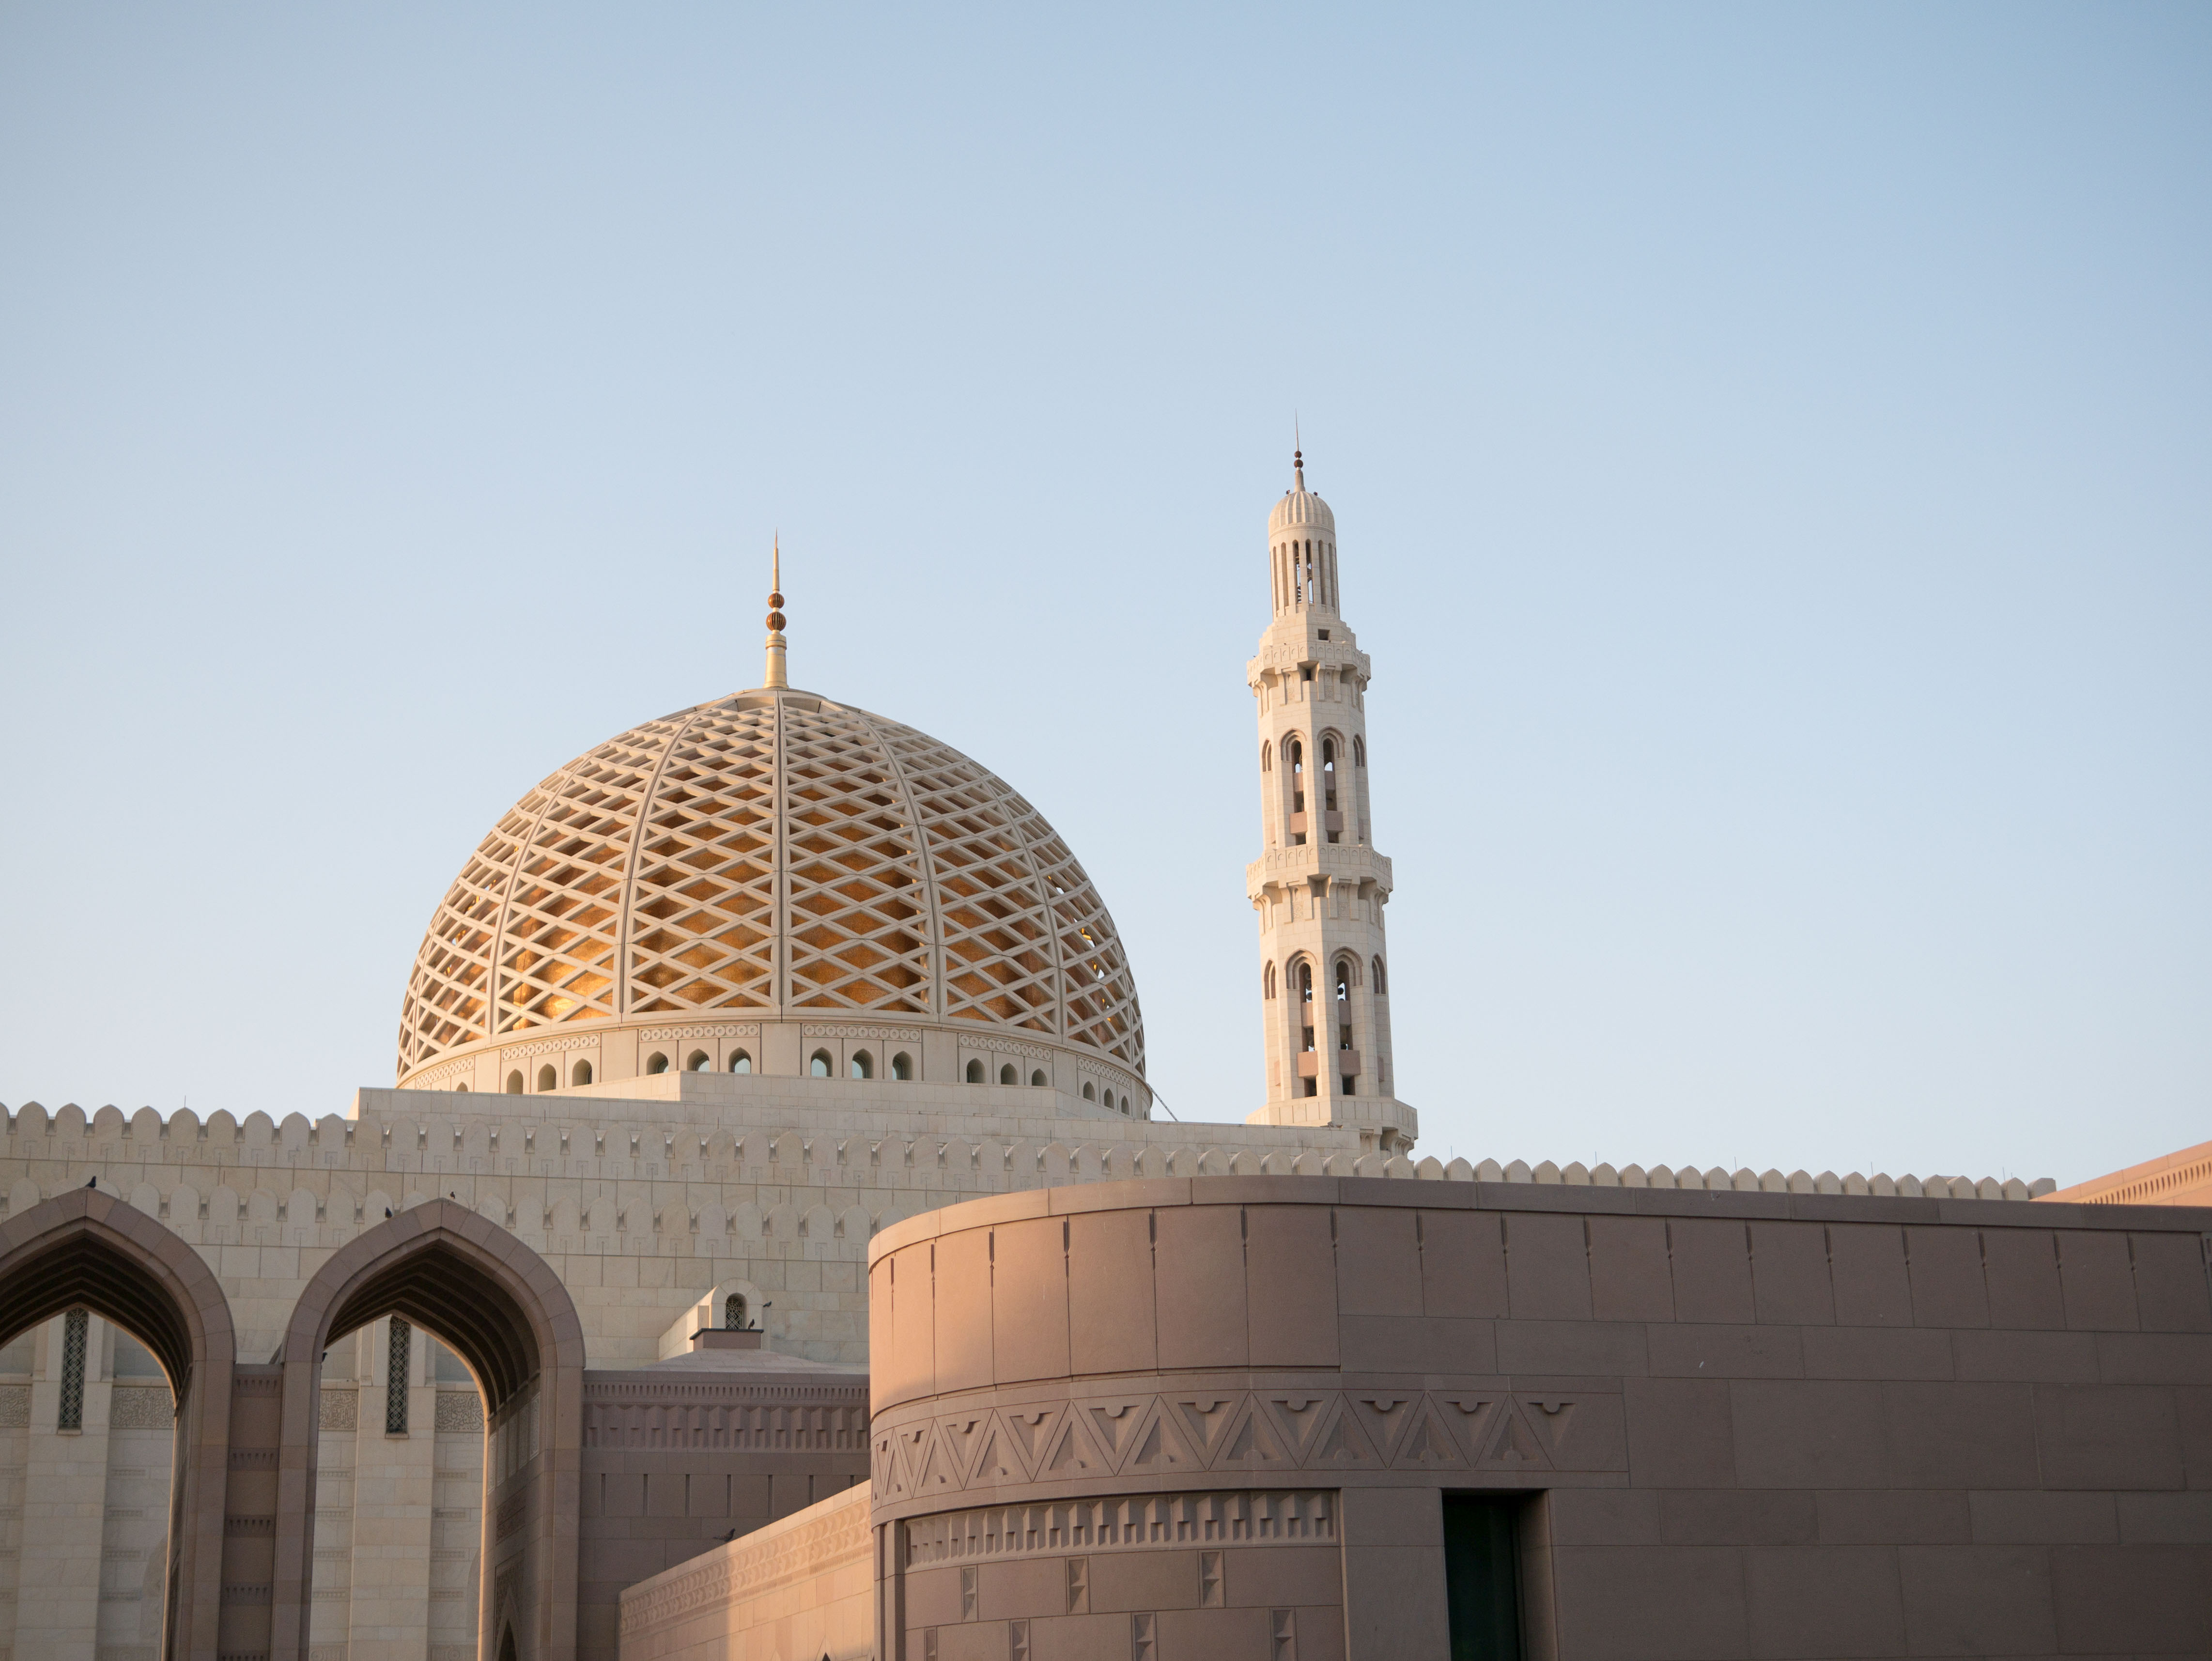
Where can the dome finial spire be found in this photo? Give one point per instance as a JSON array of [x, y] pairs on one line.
[[775, 675], [1297, 452]]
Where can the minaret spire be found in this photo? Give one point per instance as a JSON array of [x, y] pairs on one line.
[[775, 674], [1297, 452]]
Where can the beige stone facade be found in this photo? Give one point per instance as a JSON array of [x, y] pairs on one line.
[[718, 1009], [1255, 1418], [2181, 1178]]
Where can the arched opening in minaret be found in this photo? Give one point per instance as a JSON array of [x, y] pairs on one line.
[[1347, 1053], [1306, 1045], [1298, 793], [1332, 821]]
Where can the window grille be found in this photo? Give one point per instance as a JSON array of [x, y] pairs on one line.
[[395, 1379], [76, 1327], [733, 1311]]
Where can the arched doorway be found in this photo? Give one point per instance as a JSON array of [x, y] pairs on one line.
[[90, 1251], [499, 1306]]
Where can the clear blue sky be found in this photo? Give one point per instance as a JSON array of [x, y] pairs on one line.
[[1771, 449]]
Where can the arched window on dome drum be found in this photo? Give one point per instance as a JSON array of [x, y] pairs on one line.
[[901, 1066], [863, 1065], [733, 1311], [819, 1065], [1089, 1091], [1037, 1078], [975, 1072], [549, 1077], [1007, 1074], [514, 1082], [656, 1062], [581, 1073], [740, 1061], [697, 1061]]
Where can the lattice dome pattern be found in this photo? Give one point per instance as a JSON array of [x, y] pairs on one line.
[[778, 853]]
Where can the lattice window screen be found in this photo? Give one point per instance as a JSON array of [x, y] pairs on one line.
[[703, 896], [997, 953], [859, 937], [76, 1326], [395, 1377]]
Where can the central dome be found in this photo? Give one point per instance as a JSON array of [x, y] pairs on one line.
[[773, 854]]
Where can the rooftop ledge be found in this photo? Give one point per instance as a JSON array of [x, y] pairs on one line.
[[1465, 1195]]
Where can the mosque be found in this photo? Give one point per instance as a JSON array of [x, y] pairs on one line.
[[768, 1248]]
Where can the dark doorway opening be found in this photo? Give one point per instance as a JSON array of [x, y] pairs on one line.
[[1482, 1575]]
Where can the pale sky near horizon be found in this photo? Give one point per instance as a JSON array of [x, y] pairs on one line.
[[1772, 450]]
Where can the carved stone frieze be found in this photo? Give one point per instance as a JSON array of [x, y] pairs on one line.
[[1185, 1433], [459, 1411], [141, 1407], [1135, 1523]]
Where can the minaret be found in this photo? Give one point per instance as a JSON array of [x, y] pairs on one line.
[[775, 675], [1319, 886]]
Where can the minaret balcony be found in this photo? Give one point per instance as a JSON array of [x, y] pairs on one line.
[[1350, 863]]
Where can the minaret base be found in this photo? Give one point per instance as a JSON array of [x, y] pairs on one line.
[[1391, 1126]]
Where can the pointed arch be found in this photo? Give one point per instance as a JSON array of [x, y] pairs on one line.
[[500, 1307], [90, 1250]]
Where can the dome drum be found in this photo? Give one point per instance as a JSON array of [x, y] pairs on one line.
[[773, 858]]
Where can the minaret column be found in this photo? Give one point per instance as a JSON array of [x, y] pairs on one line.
[[1318, 887]]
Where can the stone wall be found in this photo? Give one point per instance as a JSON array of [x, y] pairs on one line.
[[801, 1587], [674, 1463], [1737, 1424], [639, 1205]]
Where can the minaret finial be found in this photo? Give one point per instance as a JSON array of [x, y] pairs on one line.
[[1297, 452], [775, 675]]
